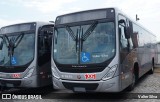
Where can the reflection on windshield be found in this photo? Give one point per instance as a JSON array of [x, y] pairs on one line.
[[67, 51], [95, 44], [17, 52]]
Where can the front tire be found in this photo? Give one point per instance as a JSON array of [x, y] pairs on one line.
[[152, 70], [131, 86]]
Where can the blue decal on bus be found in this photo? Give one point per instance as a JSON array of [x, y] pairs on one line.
[[13, 60], [85, 57]]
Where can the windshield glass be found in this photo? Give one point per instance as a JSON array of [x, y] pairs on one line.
[[16, 49], [84, 44]]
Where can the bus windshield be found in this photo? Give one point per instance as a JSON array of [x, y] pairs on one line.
[[16, 49], [84, 44]]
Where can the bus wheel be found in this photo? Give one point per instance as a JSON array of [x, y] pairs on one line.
[[131, 86], [152, 70]]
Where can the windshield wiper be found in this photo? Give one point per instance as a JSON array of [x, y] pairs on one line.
[[89, 31], [75, 38], [81, 41], [17, 41], [71, 32], [6, 42], [12, 43]]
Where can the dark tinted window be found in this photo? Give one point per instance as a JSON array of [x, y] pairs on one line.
[[44, 45]]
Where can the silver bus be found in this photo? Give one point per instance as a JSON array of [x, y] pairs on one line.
[[25, 51], [100, 50]]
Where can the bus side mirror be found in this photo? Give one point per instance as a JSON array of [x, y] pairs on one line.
[[119, 29], [121, 21], [1, 45], [126, 29], [127, 32]]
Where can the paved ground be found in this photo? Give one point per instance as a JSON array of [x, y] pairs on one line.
[[149, 83]]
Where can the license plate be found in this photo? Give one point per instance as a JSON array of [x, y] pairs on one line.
[[79, 89]]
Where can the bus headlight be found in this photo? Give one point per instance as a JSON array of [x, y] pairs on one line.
[[29, 73], [55, 74], [110, 73]]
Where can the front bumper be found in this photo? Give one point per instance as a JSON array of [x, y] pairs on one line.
[[110, 85], [28, 82]]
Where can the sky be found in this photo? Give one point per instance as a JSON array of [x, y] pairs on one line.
[[18, 11]]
